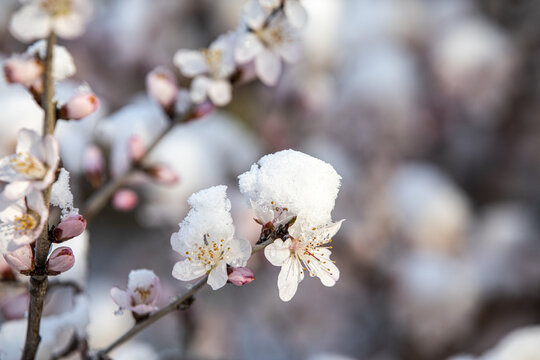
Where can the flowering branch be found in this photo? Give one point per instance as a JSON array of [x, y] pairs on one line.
[[38, 280]]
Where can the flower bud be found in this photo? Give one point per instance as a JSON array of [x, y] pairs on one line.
[[93, 164], [203, 109], [60, 260], [25, 70], [125, 200], [137, 149], [240, 276], [161, 86], [163, 174], [15, 307], [79, 106], [69, 228], [21, 260]]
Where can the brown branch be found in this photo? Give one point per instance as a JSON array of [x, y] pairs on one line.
[[38, 280]]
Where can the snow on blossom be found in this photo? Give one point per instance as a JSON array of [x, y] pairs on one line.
[[267, 40], [206, 239], [210, 69], [520, 344], [33, 167], [290, 183], [37, 18], [141, 294], [61, 195], [304, 249], [62, 64], [22, 221]]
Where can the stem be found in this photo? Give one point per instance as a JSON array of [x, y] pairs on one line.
[[178, 304], [38, 280]]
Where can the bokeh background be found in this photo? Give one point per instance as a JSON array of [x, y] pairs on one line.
[[427, 108]]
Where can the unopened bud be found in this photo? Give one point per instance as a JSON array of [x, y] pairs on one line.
[[79, 106], [60, 260], [163, 174], [203, 109], [25, 70], [240, 276], [137, 149], [69, 228], [15, 307], [161, 86], [21, 260], [93, 164], [125, 200]]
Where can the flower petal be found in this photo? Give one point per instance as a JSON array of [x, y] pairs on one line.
[[278, 252], [254, 14], [219, 91], [199, 89], [239, 253], [290, 276], [187, 270], [30, 23], [247, 47], [218, 275], [69, 26], [190, 62], [296, 13], [268, 67], [120, 297]]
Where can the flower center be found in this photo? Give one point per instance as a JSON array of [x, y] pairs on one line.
[[24, 224], [143, 294], [25, 163], [57, 8], [209, 253], [213, 59]]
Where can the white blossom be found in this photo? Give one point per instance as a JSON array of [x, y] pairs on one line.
[[37, 18], [295, 12], [62, 64], [33, 167], [210, 69], [267, 40], [141, 294], [305, 249], [206, 239]]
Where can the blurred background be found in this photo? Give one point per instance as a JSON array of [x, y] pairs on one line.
[[427, 108]]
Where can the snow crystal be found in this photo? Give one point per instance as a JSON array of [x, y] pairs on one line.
[[290, 179], [209, 216], [63, 65], [61, 195], [141, 278]]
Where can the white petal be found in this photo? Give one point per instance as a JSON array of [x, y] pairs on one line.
[[322, 235], [254, 14], [187, 270], [29, 141], [239, 253], [321, 266], [69, 26], [7, 173], [120, 297], [247, 47], [190, 62], [278, 252], [268, 67], [35, 201], [296, 13], [199, 89], [290, 276], [16, 190], [220, 91], [218, 275], [271, 4], [262, 213], [290, 51], [30, 23]]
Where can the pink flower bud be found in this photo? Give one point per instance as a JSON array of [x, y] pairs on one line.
[[203, 109], [15, 307], [240, 276], [21, 260], [60, 260], [93, 164], [161, 86], [125, 200], [69, 228], [23, 70], [163, 174], [137, 149], [79, 106]]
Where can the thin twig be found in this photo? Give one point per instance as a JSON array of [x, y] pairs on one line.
[[38, 281]]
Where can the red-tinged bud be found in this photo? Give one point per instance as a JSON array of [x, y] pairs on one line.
[[69, 228], [161, 86], [200, 110], [240, 276], [21, 260], [137, 149], [60, 260], [25, 70], [15, 307], [93, 165], [163, 174], [79, 106], [125, 200]]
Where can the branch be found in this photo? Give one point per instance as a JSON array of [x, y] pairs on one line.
[[181, 303], [38, 280]]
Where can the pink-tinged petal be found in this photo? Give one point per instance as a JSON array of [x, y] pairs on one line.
[[254, 14], [16, 190], [268, 67], [120, 297], [21, 260], [240, 276], [217, 278], [190, 62], [80, 106], [289, 277], [199, 88], [125, 200], [203, 109], [15, 307], [161, 86], [30, 23], [220, 92], [296, 13], [187, 270], [70, 26], [60, 260], [142, 309], [247, 47], [93, 161], [69, 228], [278, 252], [25, 70]]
